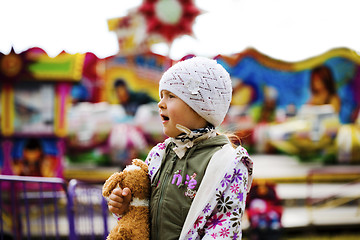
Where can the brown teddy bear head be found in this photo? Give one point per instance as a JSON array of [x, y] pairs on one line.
[[136, 178]]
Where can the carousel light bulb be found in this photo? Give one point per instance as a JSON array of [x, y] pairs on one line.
[[168, 11]]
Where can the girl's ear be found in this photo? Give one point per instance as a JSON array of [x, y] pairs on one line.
[[141, 164]]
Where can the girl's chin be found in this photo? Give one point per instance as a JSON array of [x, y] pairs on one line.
[[172, 134]]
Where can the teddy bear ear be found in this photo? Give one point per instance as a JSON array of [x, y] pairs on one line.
[[141, 164], [111, 183]]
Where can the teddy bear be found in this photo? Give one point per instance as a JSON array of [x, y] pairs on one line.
[[134, 224]]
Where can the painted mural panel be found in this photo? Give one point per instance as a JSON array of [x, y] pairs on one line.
[[300, 108], [34, 108], [290, 84], [40, 157], [133, 80]]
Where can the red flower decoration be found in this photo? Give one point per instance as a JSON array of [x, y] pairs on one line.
[[169, 18]]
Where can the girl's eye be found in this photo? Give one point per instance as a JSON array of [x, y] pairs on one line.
[[171, 96]]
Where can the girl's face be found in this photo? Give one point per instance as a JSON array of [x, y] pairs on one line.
[[174, 111]]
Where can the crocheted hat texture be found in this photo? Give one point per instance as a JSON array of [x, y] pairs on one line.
[[201, 83]]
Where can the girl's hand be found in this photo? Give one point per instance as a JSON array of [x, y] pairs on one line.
[[119, 201]]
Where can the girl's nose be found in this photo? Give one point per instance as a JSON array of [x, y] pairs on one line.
[[161, 104]]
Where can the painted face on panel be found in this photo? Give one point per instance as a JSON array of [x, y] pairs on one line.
[[174, 111]]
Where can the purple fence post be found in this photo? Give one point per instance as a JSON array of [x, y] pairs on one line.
[[91, 212], [105, 215], [14, 212], [27, 215], [70, 209], [1, 214], [41, 203], [56, 212]]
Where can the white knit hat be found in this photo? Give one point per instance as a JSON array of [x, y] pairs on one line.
[[201, 83]]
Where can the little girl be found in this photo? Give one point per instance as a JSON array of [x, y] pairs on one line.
[[199, 180]]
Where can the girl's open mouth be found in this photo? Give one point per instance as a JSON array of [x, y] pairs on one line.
[[164, 118]]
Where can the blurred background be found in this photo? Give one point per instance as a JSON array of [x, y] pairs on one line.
[[79, 91]]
